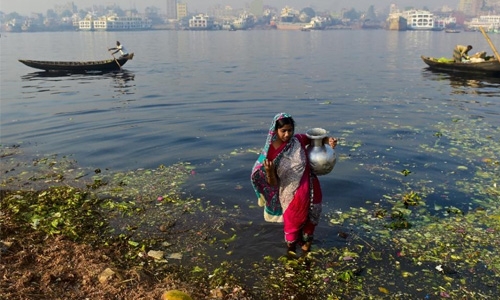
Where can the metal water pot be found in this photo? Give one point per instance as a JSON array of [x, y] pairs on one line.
[[322, 158]]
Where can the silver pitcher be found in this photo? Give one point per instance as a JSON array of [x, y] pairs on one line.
[[322, 158]]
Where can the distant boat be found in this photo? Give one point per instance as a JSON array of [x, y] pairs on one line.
[[452, 31], [490, 23], [86, 24], [396, 22], [244, 21], [12, 27], [78, 66], [317, 23], [289, 20], [289, 26], [29, 25], [115, 23], [371, 24], [445, 22], [202, 22], [419, 19]]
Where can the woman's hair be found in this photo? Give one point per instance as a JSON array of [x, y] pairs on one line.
[[285, 121]]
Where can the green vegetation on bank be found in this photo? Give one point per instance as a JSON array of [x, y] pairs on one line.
[[401, 245]]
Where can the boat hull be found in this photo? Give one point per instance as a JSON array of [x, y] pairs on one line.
[[289, 26], [397, 23], [78, 66], [490, 67]]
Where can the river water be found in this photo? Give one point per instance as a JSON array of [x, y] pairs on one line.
[[201, 97]]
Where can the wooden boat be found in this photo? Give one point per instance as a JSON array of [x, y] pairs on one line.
[[489, 67], [79, 66]]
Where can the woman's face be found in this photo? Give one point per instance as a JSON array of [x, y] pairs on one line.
[[285, 133]]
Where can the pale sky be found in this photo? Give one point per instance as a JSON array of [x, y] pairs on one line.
[[26, 7]]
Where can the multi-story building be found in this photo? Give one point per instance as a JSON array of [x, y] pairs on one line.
[[474, 8], [488, 22], [201, 22], [419, 19], [182, 10], [116, 23], [87, 23], [172, 9], [470, 7]]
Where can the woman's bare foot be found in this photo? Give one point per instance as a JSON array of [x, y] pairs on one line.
[[291, 249], [306, 247]]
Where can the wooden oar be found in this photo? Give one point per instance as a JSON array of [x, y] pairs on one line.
[[116, 60], [489, 42]]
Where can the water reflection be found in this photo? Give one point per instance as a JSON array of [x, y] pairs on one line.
[[50, 83], [476, 84], [43, 75]]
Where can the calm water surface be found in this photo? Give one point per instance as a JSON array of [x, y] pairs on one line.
[[199, 96]]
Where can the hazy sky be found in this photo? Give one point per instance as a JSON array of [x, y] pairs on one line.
[[26, 7]]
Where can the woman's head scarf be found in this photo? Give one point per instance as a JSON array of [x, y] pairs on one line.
[[266, 194], [271, 137]]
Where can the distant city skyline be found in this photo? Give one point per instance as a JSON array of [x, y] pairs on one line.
[[26, 7]]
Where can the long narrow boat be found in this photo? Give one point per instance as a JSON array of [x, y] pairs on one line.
[[490, 67], [78, 66]]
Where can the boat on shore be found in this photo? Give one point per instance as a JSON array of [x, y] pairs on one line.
[[289, 20], [419, 19], [317, 23], [397, 22], [79, 66], [490, 23], [289, 26], [490, 66], [115, 23], [424, 20], [202, 22], [244, 21]]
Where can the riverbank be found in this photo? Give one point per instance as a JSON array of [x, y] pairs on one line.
[[66, 235], [70, 232]]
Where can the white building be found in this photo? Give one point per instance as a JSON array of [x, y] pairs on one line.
[[115, 23], [419, 19], [489, 23], [87, 24], [201, 22]]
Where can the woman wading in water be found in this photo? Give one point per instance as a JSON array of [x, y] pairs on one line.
[[285, 184]]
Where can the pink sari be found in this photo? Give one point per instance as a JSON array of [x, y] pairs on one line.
[[299, 192]]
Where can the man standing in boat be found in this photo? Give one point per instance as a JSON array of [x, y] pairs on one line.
[[119, 48], [460, 52]]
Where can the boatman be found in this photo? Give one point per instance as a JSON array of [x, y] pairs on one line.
[[460, 52], [119, 48]]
